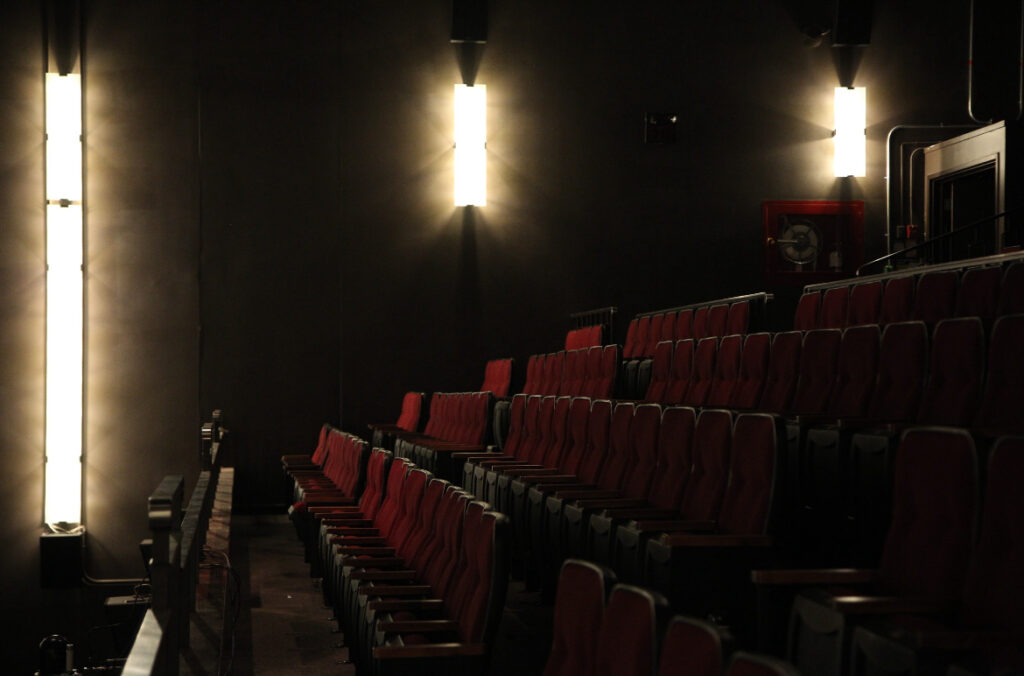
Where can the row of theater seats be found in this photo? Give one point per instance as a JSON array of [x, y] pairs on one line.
[[458, 421], [845, 393], [628, 630], [985, 292], [585, 337], [588, 372], [647, 330], [415, 568], [944, 597], [690, 504]]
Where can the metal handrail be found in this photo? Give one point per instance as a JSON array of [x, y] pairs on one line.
[[939, 238]]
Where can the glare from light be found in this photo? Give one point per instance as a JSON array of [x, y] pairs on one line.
[[63, 363], [63, 137], [850, 120], [470, 145]]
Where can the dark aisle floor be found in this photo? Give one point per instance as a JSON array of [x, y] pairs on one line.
[[283, 627]]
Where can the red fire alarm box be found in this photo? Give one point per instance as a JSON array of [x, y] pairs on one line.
[[810, 241]]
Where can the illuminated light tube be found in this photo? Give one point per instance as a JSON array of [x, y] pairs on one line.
[[470, 145], [849, 139], [63, 137], [64, 306]]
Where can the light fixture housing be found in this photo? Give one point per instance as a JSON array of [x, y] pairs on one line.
[[850, 107], [64, 300], [470, 145]]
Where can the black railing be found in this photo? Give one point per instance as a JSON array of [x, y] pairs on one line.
[[970, 227]]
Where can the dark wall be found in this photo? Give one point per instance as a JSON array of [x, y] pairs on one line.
[[270, 228]]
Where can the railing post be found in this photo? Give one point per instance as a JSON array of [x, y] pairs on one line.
[[165, 569]]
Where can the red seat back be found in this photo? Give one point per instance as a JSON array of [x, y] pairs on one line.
[[718, 315], [753, 370], [727, 371], [1011, 295], [618, 456], [712, 439], [738, 320], [865, 303], [684, 325], [628, 640], [700, 323], [598, 427], [978, 295], [747, 503], [661, 372], [935, 297], [902, 361], [806, 316], [897, 300], [654, 330], [703, 371], [855, 371], [643, 451], [783, 362], [933, 513], [691, 647], [817, 371], [682, 368], [675, 437], [1002, 400], [832, 314], [579, 611], [954, 383]]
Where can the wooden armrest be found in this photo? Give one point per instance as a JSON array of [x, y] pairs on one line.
[[341, 525], [470, 455], [418, 626], [815, 576], [395, 590], [891, 604], [695, 540], [429, 650], [327, 511], [512, 468], [406, 604], [354, 530], [321, 499], [488, 463], [609, 503], [381, 574], [667, 525], [369, 551]]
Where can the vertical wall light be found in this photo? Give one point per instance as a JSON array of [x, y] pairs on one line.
[[850, 121], [64, 300], [470, 145]]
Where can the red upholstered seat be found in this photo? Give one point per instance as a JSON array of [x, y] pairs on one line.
[[668, 327], [628, 641], [955, 376], [865, 304], [718, 316], [1002, 401], [692, 647], [727, 371], [1011, 294], [935, 296], [816, 373], [682, 369], [579, 611], [897, 300], [575, 373], [684, 325], [631, 347], [738, 321], [753, 370], [704, 357], [654, 330], [642, 337], [700, 323], [661, 373], [783, 362], [497, 377], [806, 316], [832, 314], [978, 295], [855, 371], [901, 372]]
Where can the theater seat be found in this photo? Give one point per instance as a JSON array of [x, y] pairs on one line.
[[630, 637], [1011, 294], [832, 314], [753, 371], [897, 300], [924, 560], [579, 611], [1002, 400], [693, 647], [978, 295], [864, 305], [408, 421], [806, 317], [780, 381], [935, 297]]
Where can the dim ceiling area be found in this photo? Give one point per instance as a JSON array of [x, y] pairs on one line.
[[270, 231]]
